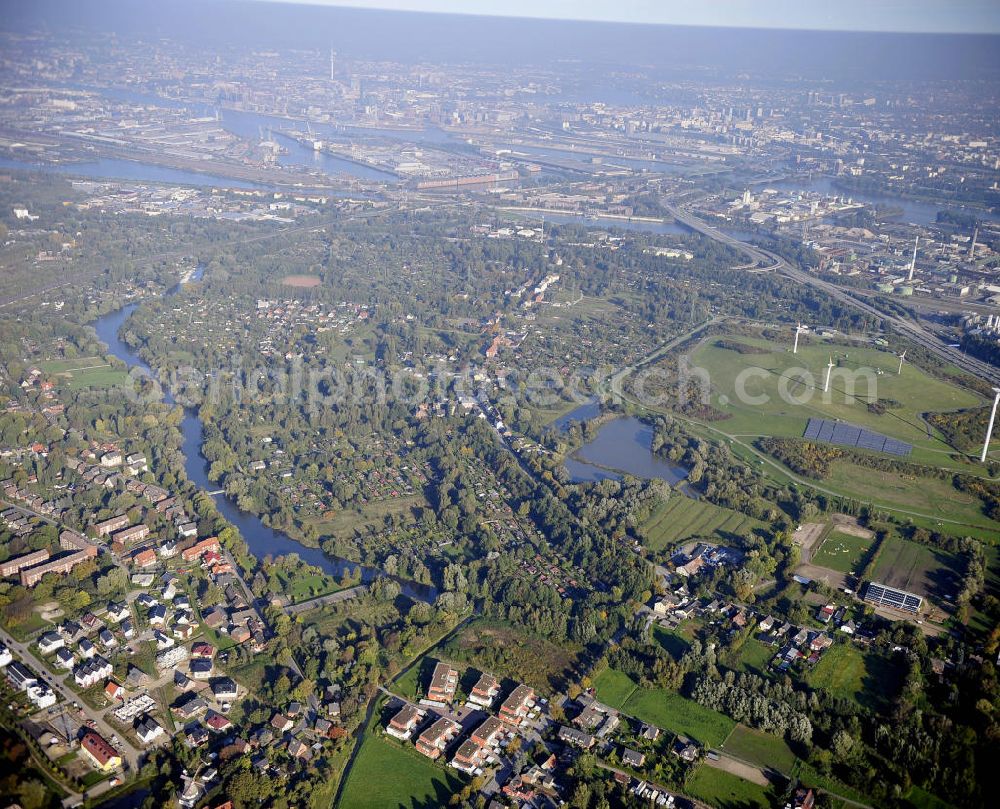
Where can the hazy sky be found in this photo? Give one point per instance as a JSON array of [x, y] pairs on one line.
[[971, 16]]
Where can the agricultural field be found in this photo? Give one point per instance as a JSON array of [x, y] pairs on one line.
[[926, 571], [763, 749], [681, 519], [915, 391], [842, 552], [725, 791], [86, 372], [415, 781], [847, 673]]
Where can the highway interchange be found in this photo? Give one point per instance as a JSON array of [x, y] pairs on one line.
[[907, 328]]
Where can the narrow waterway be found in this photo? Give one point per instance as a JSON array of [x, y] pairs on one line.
[[261, 539]]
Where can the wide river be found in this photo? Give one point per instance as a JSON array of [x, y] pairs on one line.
[[261, 539], [917, 212], [253, 125]]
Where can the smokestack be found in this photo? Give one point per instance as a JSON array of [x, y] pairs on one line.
[[913, 261]]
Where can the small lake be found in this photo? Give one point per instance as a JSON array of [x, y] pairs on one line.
[[624, 445], [584, 412]]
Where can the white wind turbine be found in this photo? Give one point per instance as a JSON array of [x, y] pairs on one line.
[[799, 328], [989, 428], [901, 358], [829, 370]]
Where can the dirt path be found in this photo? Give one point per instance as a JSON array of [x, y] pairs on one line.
[[824, 574], [806, 536], [849, 525], [738, 768]]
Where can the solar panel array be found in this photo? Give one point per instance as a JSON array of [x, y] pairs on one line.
[[891, 597], [851, 435]]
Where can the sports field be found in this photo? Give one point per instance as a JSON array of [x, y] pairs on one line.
[[861, 375], [842, 552], [86, 372], [682, 518]]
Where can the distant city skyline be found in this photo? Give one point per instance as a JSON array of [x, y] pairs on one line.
[[909, 16]]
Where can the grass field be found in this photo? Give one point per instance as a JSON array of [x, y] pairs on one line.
[[916, 391], [65, 366], [682, 518], [725, 791], [367, 517], [754, 656], [303, 587], [614, 687], [925, 495], [665, 709], [763, 749], [922, 799], [86, 372], [917, 568], [842, 552], [848, 673], [980, 621], [304, 281], [386, 775], [670, 711], [810, 775], [675, 644], [840, 671]]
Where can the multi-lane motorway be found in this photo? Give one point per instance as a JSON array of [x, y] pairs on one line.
[[908, 328]]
